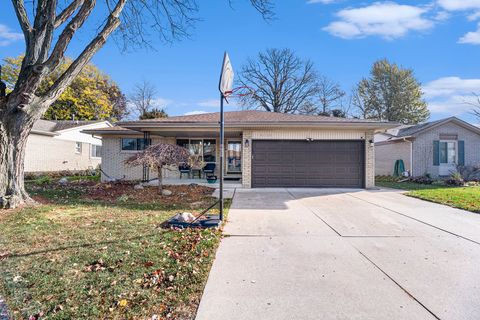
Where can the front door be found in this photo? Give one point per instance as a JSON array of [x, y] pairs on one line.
[[234, 156], [448, 157]]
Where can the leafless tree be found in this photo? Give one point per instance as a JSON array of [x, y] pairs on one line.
[[277, 81], [475, 104], [327, 100], [143, 97], [49, 28], [330, 95], [158, 156]]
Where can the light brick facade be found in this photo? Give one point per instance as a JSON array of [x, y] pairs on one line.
[[387, 153], [301, 134], [423, 147], [113, 157]]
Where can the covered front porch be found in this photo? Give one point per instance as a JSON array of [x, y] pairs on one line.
[[206, 145]]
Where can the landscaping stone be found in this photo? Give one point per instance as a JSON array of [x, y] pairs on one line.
[[184, 217], [63, 181], [138, 187], [166, 192]]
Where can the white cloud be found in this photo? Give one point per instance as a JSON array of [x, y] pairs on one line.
[[161, 102], [388, 20], [190, 113], [452, 95], [449, 86], [456, 5], [7, 36], [472, 37], [210, 103]]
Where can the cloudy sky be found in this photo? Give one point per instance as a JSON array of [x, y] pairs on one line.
[[438, 39]]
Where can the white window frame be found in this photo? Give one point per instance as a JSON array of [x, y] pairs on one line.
[[456, 152], [92, 147], [78, 147]]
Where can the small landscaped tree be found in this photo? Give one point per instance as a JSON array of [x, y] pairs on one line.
[[158, 156]]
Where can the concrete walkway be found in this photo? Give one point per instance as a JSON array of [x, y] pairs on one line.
[[344, 254]]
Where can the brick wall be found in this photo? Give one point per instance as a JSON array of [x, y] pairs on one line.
[[387, 154], [423, 147], [301, 134], [113, 159]]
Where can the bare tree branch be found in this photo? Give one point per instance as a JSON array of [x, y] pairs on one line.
[[67, 12], [278, 81], [22, 17], [66, 36], [74, 69], [142, 97]]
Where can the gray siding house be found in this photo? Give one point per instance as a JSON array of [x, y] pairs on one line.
[[433, 148]]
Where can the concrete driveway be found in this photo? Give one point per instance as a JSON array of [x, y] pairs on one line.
[[344, 254]]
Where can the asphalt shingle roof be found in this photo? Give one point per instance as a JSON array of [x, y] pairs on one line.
[[250, 116], [58, 125], [405, 132]]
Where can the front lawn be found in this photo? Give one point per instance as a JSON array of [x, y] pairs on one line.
[[93, 252], [466, 198]]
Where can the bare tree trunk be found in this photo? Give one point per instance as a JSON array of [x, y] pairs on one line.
[[160, 178], [14, 130]]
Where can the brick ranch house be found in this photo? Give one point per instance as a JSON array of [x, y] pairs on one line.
[[262, 149], [434, 148]]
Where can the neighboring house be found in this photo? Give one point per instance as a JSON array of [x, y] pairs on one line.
[[263, 149], [433, 148], [60, 145]]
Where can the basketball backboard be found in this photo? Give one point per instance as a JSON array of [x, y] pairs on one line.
[[226, 77]]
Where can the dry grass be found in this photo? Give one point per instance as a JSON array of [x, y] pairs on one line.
[[78, 258]]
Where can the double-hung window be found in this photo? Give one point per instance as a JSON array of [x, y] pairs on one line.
[[96, 151], [78, 147]]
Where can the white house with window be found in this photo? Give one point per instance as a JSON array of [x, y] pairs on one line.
[[61, 146]]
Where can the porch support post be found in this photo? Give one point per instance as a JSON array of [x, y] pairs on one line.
[[146, 171]]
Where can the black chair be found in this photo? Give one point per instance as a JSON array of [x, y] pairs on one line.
[[184, 169], [209, 169]]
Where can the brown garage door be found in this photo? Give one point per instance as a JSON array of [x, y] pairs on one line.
[[281, 163]]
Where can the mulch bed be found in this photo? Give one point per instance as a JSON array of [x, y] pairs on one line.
[[115, 192]]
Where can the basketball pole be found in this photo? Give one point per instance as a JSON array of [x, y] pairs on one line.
[[222, 124]]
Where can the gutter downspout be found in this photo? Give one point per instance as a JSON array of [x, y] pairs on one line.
[[411, 156]]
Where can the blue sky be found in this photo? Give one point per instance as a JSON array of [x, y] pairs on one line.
[[439, 39]]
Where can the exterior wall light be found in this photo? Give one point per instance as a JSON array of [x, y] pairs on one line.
[[309, 139], [372, 143], [247, 143]]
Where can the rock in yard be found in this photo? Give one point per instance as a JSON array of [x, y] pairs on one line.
[[138, 187], [166, 192], [63, 181], [184, 217]]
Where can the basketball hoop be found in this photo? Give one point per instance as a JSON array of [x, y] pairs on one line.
[[237, 92]]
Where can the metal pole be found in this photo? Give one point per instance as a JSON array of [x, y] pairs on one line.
[[222, 151]]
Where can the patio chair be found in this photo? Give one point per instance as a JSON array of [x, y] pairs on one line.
[[184, 169], [209, 169]]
